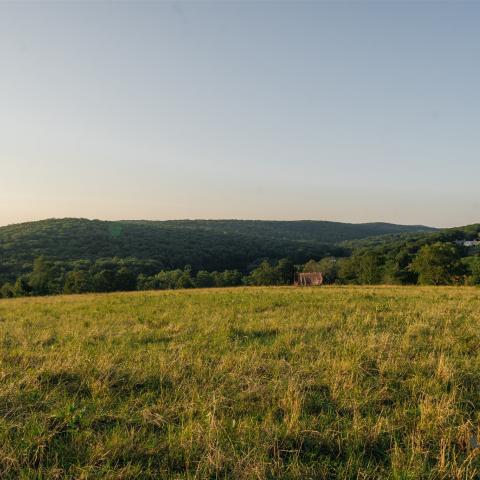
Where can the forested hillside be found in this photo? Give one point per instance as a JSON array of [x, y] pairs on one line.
[[303, 230], [437, 258], [78, 255], [152, 246]]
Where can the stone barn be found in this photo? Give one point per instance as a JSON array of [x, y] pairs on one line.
[[308, 279]]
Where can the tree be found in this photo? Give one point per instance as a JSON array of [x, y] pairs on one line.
[[369, 269], [329, 268], [78, 281], [346, 270], [264, 274], [7, 290], [437, 264], [312, 266], [397, 269], [42, 278], [104, 281], [167, 279], [286, 271], [228, 278], [475, 270], [21, 288], [125, 280], [185, 278], [204, 279], [145, 282], [363, 268]]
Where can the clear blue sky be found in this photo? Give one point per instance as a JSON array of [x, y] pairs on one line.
[[338, 111]]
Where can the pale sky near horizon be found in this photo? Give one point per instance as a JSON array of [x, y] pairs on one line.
[[363, 111]]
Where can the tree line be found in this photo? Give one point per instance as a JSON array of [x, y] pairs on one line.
[[434, 264], [438, 263], [50, 278]]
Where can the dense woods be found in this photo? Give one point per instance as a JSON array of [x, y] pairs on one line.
[[148, 247], [77, 256]]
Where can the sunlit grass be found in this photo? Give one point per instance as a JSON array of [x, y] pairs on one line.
[[258, 383]]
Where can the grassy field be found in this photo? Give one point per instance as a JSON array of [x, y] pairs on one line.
[[258, 383]]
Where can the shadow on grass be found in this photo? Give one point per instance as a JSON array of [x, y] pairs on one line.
[[242, 336], [71, 382], [125, 383]]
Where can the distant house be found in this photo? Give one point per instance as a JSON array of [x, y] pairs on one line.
[[308, 279], [471, 243]]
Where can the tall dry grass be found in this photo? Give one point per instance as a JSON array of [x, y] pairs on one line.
[[258, 383]]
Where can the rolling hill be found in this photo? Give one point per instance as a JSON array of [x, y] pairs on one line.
[[203, 244]]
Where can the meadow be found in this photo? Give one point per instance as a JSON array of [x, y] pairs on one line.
[[245, 383]]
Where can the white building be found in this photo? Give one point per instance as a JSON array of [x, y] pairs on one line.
[[471, 243]]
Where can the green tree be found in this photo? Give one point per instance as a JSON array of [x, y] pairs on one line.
[[475, 270], [369, 269], [145, 282], [185, 278], [104, 281], [78, 281], [264, 274], [329, 268], [346, 270], [204, 279], [167, 279], [125, 280], [231, 278], [437, 264], [363, 268], [42, 279], [286, 271], [228, 278], [312, 266], [397, 270], [472, 270], [22, 288], [7, 290]]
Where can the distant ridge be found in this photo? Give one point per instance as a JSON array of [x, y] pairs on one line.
[[318, 230]]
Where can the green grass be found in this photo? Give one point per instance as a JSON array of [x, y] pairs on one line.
[[258, 383]]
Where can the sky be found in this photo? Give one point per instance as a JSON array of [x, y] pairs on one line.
[[356, 112]]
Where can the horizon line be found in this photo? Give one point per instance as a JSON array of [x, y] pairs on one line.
[[229, 219]]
